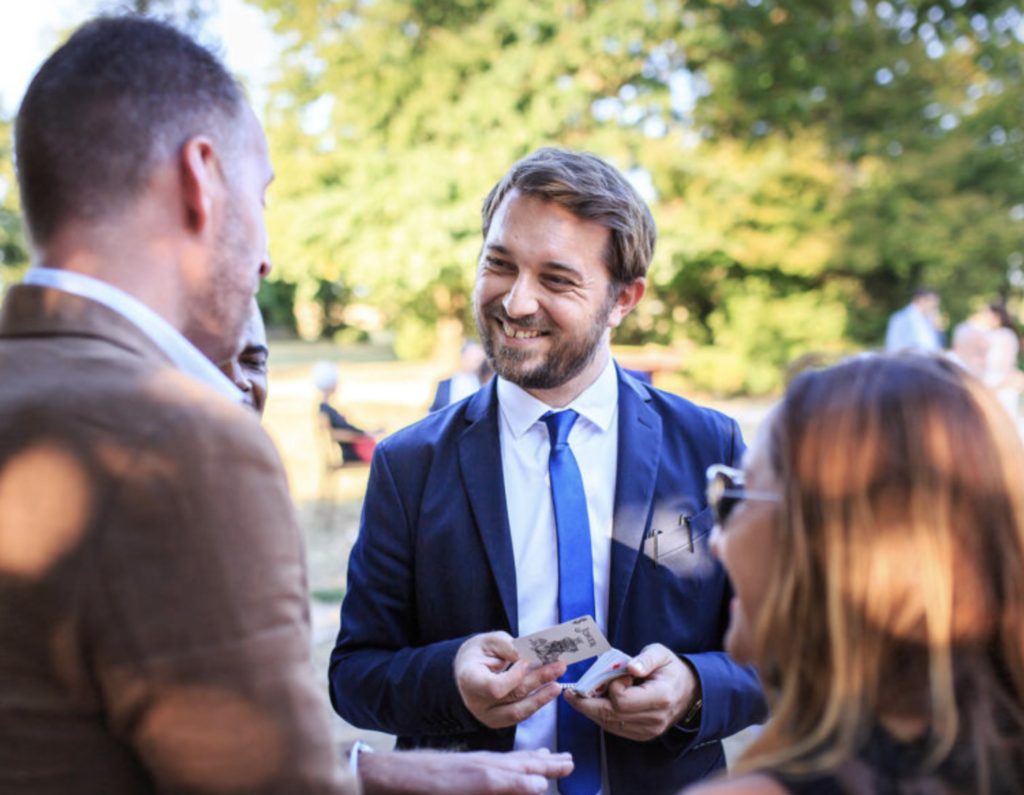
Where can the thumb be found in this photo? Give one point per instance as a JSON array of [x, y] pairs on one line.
[[650, 659], [499, 644]]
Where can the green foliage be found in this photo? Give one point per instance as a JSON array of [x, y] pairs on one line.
[[189, 14], [424, 118], [758, 331], [14, 250], [809, 162], [276, 299]]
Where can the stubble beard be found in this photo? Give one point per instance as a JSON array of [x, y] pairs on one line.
[[568, 355], [220, 311]]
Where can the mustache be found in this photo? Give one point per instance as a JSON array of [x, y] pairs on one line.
[[530, 323]]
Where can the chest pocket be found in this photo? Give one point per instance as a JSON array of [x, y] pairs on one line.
[[678, 541]]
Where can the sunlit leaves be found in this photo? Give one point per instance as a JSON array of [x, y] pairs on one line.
[[808, 162]]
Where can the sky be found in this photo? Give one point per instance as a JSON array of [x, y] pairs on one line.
[[30, 29]]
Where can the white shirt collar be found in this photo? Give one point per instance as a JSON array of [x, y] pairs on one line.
[[597, 403], [184, 354]]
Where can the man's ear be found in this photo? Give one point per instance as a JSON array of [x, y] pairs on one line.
[[199, 175], [629, 296]]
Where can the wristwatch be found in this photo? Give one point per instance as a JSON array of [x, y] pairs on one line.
[[691, 720]]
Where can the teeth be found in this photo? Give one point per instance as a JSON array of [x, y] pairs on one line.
[[518, 334]]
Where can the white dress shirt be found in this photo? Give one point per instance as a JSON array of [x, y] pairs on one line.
[[184, 354], [909, 329], [525, 447]]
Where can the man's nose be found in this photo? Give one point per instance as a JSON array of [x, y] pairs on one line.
[[239, 378], [521, 299]]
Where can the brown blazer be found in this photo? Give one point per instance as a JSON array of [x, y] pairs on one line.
[[154, 629]]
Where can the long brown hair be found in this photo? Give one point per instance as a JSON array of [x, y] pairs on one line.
[[899, 583]]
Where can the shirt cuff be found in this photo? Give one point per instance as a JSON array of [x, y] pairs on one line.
[[359, 747]]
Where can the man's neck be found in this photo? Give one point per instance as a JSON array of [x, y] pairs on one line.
[[144, 271]]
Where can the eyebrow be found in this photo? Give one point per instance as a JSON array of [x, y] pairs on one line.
[[552, 264], [251, 349]]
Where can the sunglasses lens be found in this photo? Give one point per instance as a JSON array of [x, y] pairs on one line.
[[721, 491], [725, 507]]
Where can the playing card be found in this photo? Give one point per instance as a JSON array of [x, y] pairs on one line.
[[610, 665], [570, 642]]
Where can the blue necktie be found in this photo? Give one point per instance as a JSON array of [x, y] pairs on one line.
[[576, 733]]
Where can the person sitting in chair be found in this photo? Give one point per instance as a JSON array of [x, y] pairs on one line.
[[356, 444]]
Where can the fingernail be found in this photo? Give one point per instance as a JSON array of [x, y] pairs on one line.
[[639, 668], [538, 784]]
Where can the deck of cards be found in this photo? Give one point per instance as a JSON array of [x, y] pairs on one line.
[[608, 666], [572, 642]]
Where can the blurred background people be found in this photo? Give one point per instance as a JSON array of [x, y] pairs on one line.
[[356, 444], [1001, 372], [917, 327], [877, 556], [970, 348], [474, 371]]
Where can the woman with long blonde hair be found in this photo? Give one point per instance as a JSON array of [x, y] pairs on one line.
[[875, 542]]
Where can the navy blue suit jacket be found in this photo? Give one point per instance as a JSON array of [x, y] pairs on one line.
[[433, 565], [443, 395]]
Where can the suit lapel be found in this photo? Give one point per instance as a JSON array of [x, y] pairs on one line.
[[480, 465], [639, 456]]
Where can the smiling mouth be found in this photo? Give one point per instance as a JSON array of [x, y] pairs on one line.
[[518, 333]]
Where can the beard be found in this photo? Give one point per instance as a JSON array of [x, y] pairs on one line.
[[568, 354], [220, 306]]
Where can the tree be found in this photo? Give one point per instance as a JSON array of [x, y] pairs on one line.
[[807, 162], [918, 107], [14, 254], [189, 14], [394, 119]]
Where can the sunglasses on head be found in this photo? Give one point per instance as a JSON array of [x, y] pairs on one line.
[[726, 491]]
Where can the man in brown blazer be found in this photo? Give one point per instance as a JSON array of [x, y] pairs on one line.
[[153, 607]]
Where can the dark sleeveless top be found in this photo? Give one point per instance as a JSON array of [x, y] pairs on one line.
[[888, 767]]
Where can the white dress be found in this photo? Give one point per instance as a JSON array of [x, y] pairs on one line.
[[1000, 364]]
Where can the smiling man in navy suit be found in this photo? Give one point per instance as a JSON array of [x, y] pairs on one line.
[[564, 488]]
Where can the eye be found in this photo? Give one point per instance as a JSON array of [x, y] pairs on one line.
[[559, 282], [494, 263], [257, 362]]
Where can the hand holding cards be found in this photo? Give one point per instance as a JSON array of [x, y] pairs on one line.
[[571, 642], [497, 686]]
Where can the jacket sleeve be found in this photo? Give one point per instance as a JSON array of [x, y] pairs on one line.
[[381, 676], [197, 615], [732, 698]]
